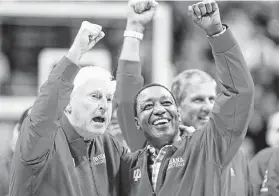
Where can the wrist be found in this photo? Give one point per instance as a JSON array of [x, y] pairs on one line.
[[135, 26], [74, 55], [215, 29]]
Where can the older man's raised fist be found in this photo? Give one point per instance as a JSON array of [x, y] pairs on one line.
[[88, 35]]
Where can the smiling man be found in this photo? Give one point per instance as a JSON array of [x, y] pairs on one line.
[[171, 164], [195, 92]]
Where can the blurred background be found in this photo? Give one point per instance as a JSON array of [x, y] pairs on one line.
[[34, 35]]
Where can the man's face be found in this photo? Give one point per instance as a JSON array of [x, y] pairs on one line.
[[91, 107], [157, 114], [198, 103]]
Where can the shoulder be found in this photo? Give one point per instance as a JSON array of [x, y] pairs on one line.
[[263, 156], [267, 152], [134, 157]]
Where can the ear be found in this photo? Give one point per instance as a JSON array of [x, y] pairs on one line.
[[137, 123], [179, 115], [68, 108]]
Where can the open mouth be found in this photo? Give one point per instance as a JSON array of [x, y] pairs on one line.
[[204, 118], [160, 121], [99, 119]]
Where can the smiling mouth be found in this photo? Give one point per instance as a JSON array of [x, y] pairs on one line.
[[99, 119], [160, 122]]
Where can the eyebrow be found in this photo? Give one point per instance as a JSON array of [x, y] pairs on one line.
[[151, 99]]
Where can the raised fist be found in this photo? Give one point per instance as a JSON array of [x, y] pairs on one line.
[[88, 35], [206, 15], [141, 12]]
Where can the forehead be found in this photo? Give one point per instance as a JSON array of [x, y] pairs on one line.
[[201, 89], [103, 86], [153, 93]]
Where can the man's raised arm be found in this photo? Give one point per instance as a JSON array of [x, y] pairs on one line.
[[40, 128], [234, 104], [129, 78]]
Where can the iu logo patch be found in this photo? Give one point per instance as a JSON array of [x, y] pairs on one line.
[[137, 175]]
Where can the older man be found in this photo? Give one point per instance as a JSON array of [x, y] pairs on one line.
[[171, 164], [63, 149]]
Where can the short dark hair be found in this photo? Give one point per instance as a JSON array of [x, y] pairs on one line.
[[145, 87]]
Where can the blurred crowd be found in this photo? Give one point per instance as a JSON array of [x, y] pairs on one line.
[[256, 31]]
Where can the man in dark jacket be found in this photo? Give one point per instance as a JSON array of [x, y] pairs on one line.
[[264, 167], [63, 149], [195, 94], [170, 164]]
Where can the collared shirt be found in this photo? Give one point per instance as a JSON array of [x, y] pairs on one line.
[[155, 160]]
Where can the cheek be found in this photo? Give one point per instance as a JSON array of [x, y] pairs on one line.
[[189, 111], [81, 109]]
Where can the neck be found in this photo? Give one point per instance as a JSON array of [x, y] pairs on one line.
[[159, 143]]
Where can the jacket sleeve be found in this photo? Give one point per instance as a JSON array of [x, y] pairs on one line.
[[234, 104], [39, 128], [128, 82]]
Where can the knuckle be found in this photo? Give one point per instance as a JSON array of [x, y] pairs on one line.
[[84, 23]]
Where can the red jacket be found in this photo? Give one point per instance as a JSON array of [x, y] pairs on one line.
[[199, 161], [264, 173], [236, 176], [52, 159]]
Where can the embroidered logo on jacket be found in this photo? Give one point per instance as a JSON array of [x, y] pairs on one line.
[[176, 162], [264, 187], [137, 174], [101, 158]]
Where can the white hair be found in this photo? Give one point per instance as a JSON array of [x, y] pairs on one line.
[[93, 73]]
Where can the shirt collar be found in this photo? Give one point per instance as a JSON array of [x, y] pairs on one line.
[[151, 149], [76, 143]]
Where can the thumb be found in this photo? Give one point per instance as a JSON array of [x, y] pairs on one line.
[[98, 38]]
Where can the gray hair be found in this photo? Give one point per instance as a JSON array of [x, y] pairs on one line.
[[185, 79]]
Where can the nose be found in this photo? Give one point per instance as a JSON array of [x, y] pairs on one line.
[[103, 106], [207, 106], [159, 109]]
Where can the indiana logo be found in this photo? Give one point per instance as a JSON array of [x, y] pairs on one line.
[[137, 175]]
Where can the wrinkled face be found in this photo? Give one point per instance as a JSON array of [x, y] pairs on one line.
[[91, 107], [157, 114], [198, 103], [272, 135]]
